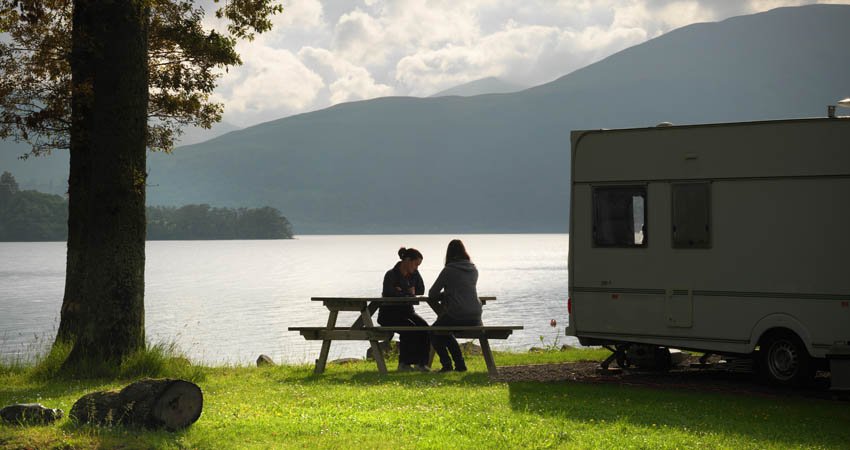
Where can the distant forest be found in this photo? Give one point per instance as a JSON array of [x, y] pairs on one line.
[[35, 216]]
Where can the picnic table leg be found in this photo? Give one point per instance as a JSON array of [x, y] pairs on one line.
[[359, 322], [326, 345], [488, 356], [366, 315]]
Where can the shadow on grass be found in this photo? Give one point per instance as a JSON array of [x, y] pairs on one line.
[[365, 373], [122, 437], [791, 422], [375, 378]]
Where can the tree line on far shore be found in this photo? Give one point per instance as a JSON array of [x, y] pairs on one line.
[[36, 216]]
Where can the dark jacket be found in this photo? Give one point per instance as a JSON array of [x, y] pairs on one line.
[[396, 285], [455, 290]]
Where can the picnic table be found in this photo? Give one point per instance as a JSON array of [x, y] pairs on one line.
[[363, 329]]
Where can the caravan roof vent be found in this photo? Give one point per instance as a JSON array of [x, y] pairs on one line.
[[844, 103], [664, 124]]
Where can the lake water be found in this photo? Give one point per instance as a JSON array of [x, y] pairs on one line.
[[226, 302]]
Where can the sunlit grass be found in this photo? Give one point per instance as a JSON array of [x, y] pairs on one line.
[[354, 406]]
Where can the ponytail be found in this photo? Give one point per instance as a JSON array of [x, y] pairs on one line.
[[409, 253]]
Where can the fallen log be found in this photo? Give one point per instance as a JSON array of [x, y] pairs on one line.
[[29, 414], [148, 403]]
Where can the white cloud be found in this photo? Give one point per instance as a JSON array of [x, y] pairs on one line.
[[427, 71], [360, 37], [529, 54], [391, 29], [300, 14], [270, 81], [350, 82]]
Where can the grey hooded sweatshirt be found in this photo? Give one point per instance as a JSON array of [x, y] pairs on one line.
[[455, 290]]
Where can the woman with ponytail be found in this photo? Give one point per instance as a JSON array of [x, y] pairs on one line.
[[404, 280]]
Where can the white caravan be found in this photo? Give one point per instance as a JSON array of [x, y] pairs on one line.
[[724, 238]]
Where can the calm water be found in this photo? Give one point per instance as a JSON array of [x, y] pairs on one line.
[[229, 301]]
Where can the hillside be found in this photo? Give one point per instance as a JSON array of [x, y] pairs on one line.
[[50, 173], [500, 162], [489, 85]]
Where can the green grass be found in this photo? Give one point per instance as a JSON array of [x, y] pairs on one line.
[[353, 406]]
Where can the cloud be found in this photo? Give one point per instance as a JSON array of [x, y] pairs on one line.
[[350, 82], [300, 15], [427, 71], [359, 37], [393, 28], [530, 54], [271, 81]]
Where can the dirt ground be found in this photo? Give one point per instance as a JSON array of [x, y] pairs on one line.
[[735, 377]]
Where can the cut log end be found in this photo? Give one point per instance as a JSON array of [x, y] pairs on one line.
[[179, 405]]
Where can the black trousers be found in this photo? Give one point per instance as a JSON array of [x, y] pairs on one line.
[[413, 346], [446, 344]]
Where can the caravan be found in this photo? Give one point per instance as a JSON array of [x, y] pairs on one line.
[[724, 238]]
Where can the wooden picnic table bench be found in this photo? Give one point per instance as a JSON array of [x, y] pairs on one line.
[[363, 329]]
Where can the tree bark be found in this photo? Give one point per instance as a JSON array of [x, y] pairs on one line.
[[154, 404], [103, 306], [79, 176]]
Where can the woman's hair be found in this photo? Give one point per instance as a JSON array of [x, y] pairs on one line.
[[456, 252], [409, 253]]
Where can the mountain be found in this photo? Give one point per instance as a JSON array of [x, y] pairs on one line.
[[501, 163], [44, 173], [50, 173], [489, 85], [196, 135]]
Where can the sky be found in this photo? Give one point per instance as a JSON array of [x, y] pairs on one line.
[[325, 52]]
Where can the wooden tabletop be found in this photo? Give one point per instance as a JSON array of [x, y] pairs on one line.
[[411, 300]]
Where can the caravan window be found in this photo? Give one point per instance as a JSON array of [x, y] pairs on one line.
[[619, 216], [691, 215]]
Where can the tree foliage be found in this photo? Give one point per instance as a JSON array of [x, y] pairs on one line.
[[185, 62], [205, 222]]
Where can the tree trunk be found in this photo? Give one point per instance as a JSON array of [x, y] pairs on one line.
[[103, 307], [153, 404]]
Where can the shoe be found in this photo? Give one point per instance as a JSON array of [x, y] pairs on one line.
[[446, 369], [423, 368], [405, 368], [460, 369]]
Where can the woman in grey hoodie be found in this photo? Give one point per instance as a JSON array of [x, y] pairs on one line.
[[455, 299]]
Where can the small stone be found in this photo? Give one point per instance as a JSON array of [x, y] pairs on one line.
[[536, 350], [566, 347], [469, 348], [30, 414], [265, 360], [345, 361], [387, 348]]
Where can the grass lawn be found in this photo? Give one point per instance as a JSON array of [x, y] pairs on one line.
[[352, 406]]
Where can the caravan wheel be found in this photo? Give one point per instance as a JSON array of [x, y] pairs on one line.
[[783, 359]]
